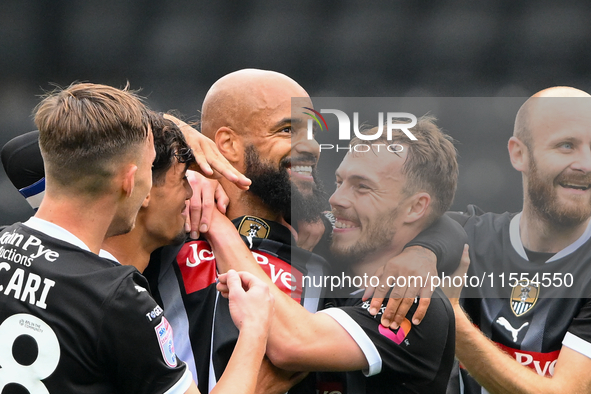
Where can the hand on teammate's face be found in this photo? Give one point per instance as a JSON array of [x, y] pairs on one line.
[[209, 161]]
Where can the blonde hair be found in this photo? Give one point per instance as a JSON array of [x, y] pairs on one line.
[[85, 130]]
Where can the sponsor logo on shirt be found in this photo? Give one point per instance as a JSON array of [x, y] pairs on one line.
[[154, 313], [397, 336], [198, 268], [164, 335], [514, 331], [542, 363]]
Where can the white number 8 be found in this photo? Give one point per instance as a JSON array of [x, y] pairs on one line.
[[28, 376]]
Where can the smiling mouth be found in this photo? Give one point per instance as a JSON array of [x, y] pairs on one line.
[[342, 223], [575, 186], [302, 170]]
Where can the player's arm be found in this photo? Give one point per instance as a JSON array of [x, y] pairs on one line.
[[499, 373], [298, 340], [436, 249], [251, 307], [192, 389]]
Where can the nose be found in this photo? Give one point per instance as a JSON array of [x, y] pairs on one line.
[[340, 198], [188, 190], [583, 160], [302, 145]]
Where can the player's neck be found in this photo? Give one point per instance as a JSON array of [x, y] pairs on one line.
[[87, 221], [132, 248], [245, 203], [540, 235]]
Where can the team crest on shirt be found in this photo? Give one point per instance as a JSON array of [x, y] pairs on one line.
[[253, 227], [164, 334], [523, 297]]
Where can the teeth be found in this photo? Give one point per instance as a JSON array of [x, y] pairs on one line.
[[303, 170], [339, 224], [578, 187]]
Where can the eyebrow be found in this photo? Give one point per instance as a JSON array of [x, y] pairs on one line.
[[356, 178], [286, 121], [283, 122]]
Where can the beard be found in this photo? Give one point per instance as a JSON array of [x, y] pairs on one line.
[[179, 238], [545, 201], [273, 186], [377, 235]]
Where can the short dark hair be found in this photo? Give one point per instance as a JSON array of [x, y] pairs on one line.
[[431, 163], [85, 129], [170, 145]]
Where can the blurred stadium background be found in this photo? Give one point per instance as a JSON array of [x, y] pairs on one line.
[[174, 50]]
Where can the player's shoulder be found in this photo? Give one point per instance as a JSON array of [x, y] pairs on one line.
[[478, 222]]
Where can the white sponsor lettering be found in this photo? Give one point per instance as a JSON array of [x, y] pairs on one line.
[[527, 359], [50, 255], [37, 249], [199, 256], [285, 277], [262, 260], [157, 311]]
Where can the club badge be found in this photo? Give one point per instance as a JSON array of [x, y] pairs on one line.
[[523, 297], [253, 227]]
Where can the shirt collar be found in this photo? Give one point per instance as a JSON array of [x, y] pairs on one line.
[[55, 231]]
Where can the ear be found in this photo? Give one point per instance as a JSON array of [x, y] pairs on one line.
[[228, 143], [146, 201], [417, 207], [518, 154], [128, 179]]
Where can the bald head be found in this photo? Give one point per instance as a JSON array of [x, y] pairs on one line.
[[546, 103], [240, 99]]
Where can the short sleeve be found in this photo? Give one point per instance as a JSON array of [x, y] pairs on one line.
[[578, 336], [136, 342], [411, 353]]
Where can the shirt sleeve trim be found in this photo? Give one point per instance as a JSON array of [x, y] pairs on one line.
[[374, 360], [182, 385], [577, 344]]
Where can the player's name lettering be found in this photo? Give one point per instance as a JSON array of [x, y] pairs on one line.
[[24, 286], [32, 245], [542, 363], [12, 255]]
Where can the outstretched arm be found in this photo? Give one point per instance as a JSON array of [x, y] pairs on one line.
[[298, 340]]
